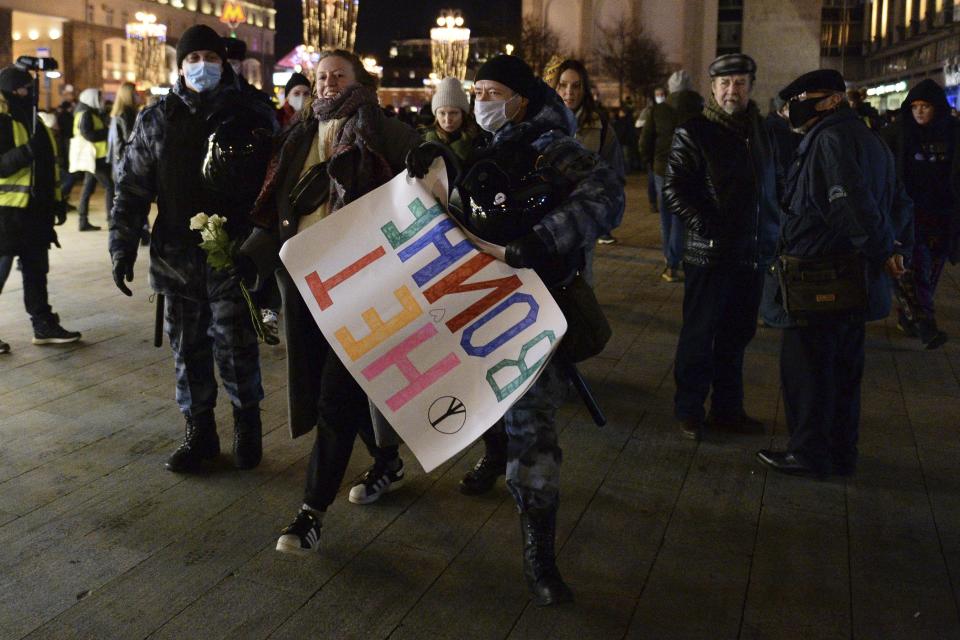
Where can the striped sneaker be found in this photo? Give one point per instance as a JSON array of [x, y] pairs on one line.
[[378, 480], [302, 536]]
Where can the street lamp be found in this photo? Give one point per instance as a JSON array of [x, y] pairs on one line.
[[148, 40], [330, 24], [450, 46]]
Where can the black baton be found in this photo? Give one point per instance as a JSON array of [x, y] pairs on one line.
[[585, 394], [158, 323]]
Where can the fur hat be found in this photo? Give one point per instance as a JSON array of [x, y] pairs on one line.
[[678, 81], [450, 93], [199, 37]]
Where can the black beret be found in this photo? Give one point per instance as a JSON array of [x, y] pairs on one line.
[[819, 80], [13, 78], [296, 79], [733, 64], [199, 37], [236, 48], [511, 71]]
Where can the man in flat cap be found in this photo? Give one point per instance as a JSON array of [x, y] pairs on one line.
[[842, 199], [721, 180]]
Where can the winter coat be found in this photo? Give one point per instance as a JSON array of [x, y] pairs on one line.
[[687, 104], [121, 128], [895, 137], [657, 136], [464, 146], [724, 188], [597, 135], [304, 342], [163, 162], [595, 205], [30, 227], [843, 196]]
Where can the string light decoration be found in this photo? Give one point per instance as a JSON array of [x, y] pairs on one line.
[[148, 41], [449, 46], [330, 24]]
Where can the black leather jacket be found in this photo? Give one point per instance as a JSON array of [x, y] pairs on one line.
[[724, 188]]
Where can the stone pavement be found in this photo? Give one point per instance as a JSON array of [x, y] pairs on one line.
[[659, 537]]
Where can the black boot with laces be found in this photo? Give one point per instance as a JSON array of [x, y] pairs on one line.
[[483, 476], [200, 442], [247, 437], [539, 529]]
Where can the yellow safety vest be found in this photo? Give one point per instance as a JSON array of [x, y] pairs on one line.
[[98, 125], [15, 188]]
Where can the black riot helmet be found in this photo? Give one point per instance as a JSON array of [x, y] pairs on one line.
[[235, 165]]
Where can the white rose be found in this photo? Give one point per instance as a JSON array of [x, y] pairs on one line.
[[199, 221]]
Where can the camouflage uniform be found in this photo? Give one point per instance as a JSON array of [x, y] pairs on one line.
[[594, 207], [206, 318]]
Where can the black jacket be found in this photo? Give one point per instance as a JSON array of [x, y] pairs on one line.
[[163, 161], [31, 227], [843, 195], [724, 188]]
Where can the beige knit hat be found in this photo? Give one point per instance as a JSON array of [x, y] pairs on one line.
[[450, 93]]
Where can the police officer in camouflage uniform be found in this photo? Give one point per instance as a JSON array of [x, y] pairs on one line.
[[206, 317], [522, 112]]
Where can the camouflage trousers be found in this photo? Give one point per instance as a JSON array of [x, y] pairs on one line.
[[533, 455], [219, 330]]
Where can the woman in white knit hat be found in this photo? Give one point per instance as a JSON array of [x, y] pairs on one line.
[[453, 124]]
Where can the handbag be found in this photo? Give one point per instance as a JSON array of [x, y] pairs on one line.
[[311, 190], [587, 328], [823, 287]]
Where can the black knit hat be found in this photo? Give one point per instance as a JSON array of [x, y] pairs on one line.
[[13, 78], [236, 48], [819, 80], [199, 37], [511, 71], [296, 79], [733, 64]]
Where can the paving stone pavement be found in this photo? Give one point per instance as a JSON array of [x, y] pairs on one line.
[[659, 537]]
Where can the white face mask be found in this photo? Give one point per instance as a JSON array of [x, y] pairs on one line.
[[492, 114], [660, 99], [296, 102]]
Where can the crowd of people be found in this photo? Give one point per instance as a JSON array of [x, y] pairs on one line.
[[806, 220]]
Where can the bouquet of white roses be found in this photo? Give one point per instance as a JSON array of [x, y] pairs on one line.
[[220, 252]]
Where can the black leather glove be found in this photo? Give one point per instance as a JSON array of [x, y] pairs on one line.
[[123, 270], [245, 269], [528, 252], [419, 160], [60, 213]]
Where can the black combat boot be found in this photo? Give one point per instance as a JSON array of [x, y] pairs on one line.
[[491, 466], [247, 437], [539, 529], [200, 442], [930, 334]]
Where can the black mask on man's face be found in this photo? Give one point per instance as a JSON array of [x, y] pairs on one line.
[[801, 111]]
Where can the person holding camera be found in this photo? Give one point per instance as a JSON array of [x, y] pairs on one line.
[[843, 202], [30, 201], [205, 316]]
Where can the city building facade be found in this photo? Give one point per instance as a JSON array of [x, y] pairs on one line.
[[89, 37]]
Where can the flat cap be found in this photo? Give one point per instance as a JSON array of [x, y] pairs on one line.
[[733, 64], [818, 80]]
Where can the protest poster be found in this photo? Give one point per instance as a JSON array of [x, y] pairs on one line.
[[442, 337]]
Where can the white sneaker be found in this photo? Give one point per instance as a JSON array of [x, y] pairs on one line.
[[302, 536], [377, 481]]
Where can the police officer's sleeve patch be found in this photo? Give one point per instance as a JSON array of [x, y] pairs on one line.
[[836, 192]]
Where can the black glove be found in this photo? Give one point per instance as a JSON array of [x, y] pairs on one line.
[[123, 269], [527, 252], [245, 269], [37, 139], [60, 212], [420, 158]]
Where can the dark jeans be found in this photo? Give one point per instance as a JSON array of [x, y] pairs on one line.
[[344, 413], [34, 266], [90, 183], [720, 307], [771, 309], [67, 180], [821, 368], [652, 189], [671, 229]]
